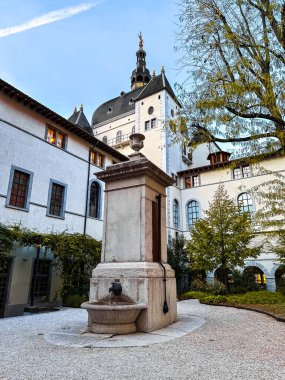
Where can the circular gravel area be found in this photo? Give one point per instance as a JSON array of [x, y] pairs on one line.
[[232, 344]]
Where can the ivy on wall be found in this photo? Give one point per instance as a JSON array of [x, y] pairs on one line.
[[74, 254]]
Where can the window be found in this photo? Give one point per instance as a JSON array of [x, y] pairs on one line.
[[245, 203], [56, 199], [119, 137], [175, 178], [175, 214], [147, 125], [153, 123], [110, 109], [105, 139], [41, 279], [193, 212], [94, 200], [150, 110], [134, 129], [97, 159], [55, 137], [19, 189], [242, 171], [192, 181], [172, 113]]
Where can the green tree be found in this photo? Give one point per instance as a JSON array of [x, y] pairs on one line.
[[234, 53], [223, 238]]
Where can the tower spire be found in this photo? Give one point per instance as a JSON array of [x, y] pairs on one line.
[[141, 41], [140, 76]]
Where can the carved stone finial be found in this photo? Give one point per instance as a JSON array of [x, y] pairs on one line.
[[75, 110], [141, 41], [81, 107], [153, 74], [136, 141], [162, 69]]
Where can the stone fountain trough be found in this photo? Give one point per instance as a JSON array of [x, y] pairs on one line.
[[118, 317]]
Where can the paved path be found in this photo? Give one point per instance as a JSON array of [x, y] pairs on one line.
[[232, 344]]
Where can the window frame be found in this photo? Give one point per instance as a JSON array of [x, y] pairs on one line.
[[63, 206], [100, 200], [147, 125], [57, 131], [241, 170], [241, 208], [175, 216], [95, 162], [153, 123], [191, 177], [198, 213], [119, 137], [29, 188]]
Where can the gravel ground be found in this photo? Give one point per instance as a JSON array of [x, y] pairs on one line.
[[232, 344]]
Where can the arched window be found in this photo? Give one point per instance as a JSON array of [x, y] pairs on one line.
[[134, 129], [193, 212], [94, 200], [105, 139], [119, 137], [245, 203], [175, 214]]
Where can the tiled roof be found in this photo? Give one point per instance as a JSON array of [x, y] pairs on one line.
[[115, 107], [126, 102], [79, 118]]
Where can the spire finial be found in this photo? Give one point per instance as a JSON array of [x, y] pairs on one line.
[[162, 69], [153, 74], [141, 41], [75, 109], [81, 107]]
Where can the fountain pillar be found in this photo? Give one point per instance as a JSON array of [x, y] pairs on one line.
[[134, 250]]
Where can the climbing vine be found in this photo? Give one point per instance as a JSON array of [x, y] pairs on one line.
[[74, 254]]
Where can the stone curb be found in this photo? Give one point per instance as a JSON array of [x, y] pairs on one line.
[[279, 319]]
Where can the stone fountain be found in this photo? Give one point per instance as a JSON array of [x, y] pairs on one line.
[[133, 288]]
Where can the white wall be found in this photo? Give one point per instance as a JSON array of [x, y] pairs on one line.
[[31, 152]]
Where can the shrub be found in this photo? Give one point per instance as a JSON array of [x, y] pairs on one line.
[[214, 299], [198, 285], [258, 297], [218, 288], [194, 295], [74, 300]]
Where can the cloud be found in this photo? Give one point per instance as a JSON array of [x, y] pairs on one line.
[[48, 18]]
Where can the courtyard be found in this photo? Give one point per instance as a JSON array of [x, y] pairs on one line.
[[229, 344]]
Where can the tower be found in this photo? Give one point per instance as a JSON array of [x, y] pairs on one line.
[[140, 76]]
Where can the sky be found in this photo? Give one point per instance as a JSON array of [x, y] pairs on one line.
[[67, 53]]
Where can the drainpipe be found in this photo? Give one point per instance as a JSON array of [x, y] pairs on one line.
[[87, 192], [165, 308]]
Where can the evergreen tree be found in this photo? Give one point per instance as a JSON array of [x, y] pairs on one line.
[[223, 238]]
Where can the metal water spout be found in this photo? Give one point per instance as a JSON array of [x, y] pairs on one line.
[[116, 289]]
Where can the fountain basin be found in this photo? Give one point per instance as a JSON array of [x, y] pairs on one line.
[[115, 318]]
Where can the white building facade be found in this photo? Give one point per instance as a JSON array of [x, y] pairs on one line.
[[48, 183]]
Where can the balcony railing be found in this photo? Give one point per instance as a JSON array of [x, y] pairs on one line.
[[119, 140]]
